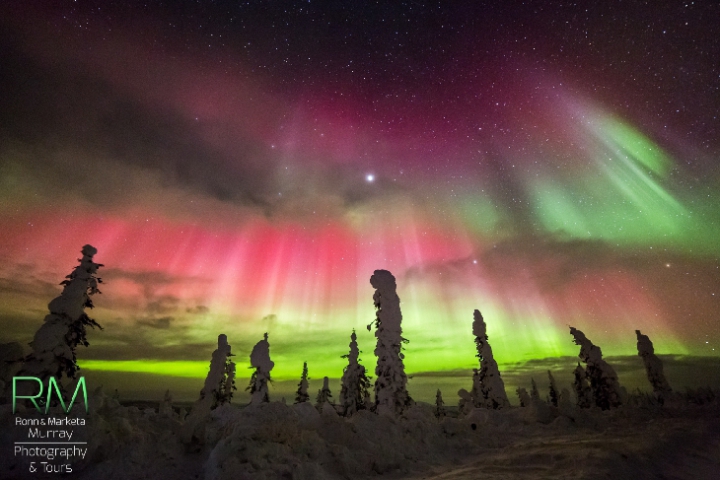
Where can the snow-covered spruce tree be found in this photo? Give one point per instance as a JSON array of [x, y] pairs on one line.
[[491, 384], [439, 405], [465, 402], [553, 391], [260, 361], [534, 392], [603, 379], [301, 395], [391, 396], [324, 395], [220, 380], [565, 402], [653, 367], [217, 390], [581, 387], [53, 348], [355, 383], [165, 407], [523, 396], [227, 388], [478, 401]]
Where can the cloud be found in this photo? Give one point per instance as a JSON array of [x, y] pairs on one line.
[[63, 106], [681, 371], [162, 304], [148, 351], [197, 310], [30, 285], [162, 323], [73, 129], [148, 279]]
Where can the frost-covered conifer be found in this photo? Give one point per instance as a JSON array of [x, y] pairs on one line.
[[581, 387], [439, 405], [53, 348], [301, 395], [217, 390], [260, 361], [391, 396], [165, 407], [324, 394], [491, 384], [523, 396], [355, 383], [534, 392], [653, 366], [603, 379], [553, 393], [220, 380], [465, 403], [478, 401], [227, 387], [565, 402], [367, 400]]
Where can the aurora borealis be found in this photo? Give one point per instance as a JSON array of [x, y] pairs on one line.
[[245, 167]]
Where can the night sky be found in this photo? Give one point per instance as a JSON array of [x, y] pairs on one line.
[[244, 167]]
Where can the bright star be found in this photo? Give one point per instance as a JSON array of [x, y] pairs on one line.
[[370, 177]]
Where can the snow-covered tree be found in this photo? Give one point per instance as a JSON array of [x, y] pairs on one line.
[[465, 403], [301, 395], [439, 405], [534, 392], [220, 380], [478, 400], [260, 361], [491, 384], [391, 396], [324, 395], [355, 383], [565, 402], [53, 348], [523, 396], [227, 387], [217, 390], [653, 366], [165, 407], [581, 387], [604, 383], [553, 391]]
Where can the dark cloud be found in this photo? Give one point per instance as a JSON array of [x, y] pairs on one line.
[[162, 304], [682, 371], [191, 351], [64, 106], [162, 323], [270, 321], [197, 310], [76, 128], [146, 279], [456, 373], [30, 285]]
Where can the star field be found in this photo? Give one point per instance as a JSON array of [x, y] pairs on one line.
[[244, 167]]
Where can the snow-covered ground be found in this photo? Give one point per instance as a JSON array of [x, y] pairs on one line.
[[274, 440]]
